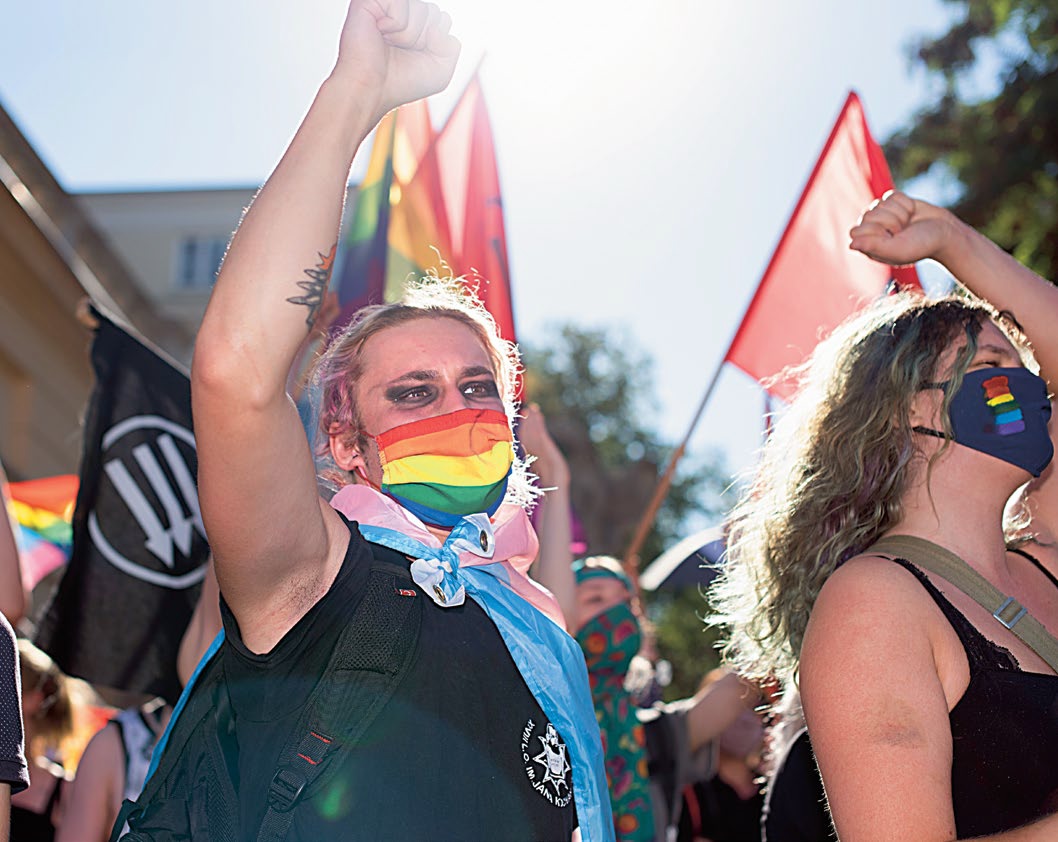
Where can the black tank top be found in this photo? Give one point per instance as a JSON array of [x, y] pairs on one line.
[[456, 754], [28, 826], [1004, 734]]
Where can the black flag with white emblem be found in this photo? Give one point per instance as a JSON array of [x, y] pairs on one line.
[[139, 547]]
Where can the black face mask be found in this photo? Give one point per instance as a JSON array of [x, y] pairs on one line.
[[1002, 412]]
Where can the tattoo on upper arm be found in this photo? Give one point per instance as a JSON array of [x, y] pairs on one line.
[[315, 287]]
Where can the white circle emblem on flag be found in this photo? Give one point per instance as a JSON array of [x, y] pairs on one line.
[[152, 533]]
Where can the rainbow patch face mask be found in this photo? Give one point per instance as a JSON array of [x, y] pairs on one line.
[[1002, 412], [448, 466]]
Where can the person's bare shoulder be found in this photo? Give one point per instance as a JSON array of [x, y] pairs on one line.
[[867, 591], [875, 703], [92, 800], [104, 749], [873, 616]]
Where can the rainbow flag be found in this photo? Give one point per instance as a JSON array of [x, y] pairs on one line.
[[43, 513], [429, 199], [362, 278], [418, 238]]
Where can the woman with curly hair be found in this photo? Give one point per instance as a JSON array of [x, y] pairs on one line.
[[930, 720]]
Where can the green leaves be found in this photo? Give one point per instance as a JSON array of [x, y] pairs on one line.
[[595, 388], [1000, 150]]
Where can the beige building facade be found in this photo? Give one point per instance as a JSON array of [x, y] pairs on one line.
[[149, 257], [51, 257], [172, 241]]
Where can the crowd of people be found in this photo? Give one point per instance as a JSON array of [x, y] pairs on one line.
[[67, 757], [386, 648]]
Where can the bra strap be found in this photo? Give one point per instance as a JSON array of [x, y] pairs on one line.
[[1036, 562]]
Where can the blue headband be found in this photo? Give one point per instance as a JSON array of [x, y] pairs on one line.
[[583, 572]]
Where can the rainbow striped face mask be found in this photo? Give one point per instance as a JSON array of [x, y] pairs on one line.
[[448, 466]]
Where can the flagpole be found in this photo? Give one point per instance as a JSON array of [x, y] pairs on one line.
[[631, 557]]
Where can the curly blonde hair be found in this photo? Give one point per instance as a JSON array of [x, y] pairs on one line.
[[835, 469]]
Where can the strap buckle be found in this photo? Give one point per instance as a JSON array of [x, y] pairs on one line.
[[285, 789], [1017, 616]]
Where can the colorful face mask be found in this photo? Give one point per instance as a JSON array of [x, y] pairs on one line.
[[609, 641], [448, 466], [1002, 412]]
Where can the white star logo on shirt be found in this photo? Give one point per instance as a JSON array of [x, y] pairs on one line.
[[553, 759]]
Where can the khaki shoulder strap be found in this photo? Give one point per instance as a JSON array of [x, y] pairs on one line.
[[1005, 609]]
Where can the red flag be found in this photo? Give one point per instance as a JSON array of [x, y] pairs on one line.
[[814, 281], [474, 208]]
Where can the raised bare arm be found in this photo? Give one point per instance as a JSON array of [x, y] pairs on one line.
[[553, 567], [276, 546], [900, 229]]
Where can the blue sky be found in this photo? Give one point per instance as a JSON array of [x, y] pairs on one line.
[[650, 154]]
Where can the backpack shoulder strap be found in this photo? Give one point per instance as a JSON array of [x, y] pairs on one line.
[[372, 657], [1005, 609]]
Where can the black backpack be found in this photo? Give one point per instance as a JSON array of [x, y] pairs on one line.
[[190, 796]]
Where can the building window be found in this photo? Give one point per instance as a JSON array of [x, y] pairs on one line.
[[198, 259]]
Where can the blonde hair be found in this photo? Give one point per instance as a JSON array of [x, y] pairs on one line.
[[54, 721], [834, 471]]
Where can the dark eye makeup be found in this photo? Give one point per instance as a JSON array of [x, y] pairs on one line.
[[412, 394], [481, 388]]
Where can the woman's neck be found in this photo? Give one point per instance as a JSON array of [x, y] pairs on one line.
[[956, 512]]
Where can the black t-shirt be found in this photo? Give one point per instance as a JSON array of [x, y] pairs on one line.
[[795, 808], [462, 750], [715, 811], [13, 769]]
